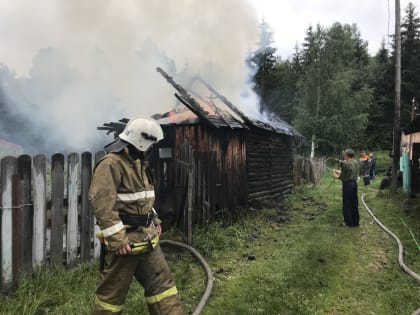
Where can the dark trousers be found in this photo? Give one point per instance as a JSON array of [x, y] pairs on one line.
[[350, 203], [366, 180]]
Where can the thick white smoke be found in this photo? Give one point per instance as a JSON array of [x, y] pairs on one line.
[[69, 66]]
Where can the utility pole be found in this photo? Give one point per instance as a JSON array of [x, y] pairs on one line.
[[397, 107], [410, 142]]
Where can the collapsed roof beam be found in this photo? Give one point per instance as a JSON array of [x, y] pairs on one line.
[[186, 99], [224, 100]]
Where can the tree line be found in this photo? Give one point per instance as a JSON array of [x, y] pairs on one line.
[[332, 91]]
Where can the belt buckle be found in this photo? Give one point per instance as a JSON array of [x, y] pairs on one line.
[[149, 218]]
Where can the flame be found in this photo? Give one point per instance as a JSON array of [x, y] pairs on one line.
[[178, 116]]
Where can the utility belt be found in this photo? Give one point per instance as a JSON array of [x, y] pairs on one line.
[[137, 220], [145, 245], [136, 248]]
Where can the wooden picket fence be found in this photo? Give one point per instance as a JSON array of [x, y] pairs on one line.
[[306, 170], [45, 215], [46, 218]]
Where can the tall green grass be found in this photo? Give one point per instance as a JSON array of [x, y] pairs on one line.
[[292, 257]]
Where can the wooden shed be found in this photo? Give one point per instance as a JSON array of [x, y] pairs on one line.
[[410, 142], [215, 160]]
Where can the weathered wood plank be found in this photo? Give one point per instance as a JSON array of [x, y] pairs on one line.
[[259, 174], [25, 212], [199, 189], [86, 223], [8, 170], [288, 179], [57, 198], [259, 194], [72, 212], [282, 188], [190, 204], [268, 165], [206, 198], [40, 210], [16, 236], [258, 185]]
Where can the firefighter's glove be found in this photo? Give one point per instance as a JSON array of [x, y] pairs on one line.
[[116, 241], [126, 250]]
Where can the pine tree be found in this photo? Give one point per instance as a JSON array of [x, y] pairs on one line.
[[410, 61], [381, 79], [309, 100], [333, 100]]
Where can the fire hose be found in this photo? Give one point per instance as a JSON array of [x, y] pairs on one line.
[[400, 246], [205, 266], [209, 273]]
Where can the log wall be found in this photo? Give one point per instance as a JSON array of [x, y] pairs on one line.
[[231, 167], [219, 168], [269, 165]]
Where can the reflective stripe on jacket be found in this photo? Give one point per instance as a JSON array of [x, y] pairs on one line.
[[121, 185]]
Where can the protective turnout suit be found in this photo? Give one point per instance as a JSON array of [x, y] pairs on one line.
[[122, 195]]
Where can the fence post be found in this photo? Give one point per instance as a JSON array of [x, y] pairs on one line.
[[72, 212], [190, 202], [40, 210], [16, 232], [8, 170], [16, 236], [25, 224], [86, 213], [57, 196]]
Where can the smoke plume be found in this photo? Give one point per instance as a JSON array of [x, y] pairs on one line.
[[69, 66]]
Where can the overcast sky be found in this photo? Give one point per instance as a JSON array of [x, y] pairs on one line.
[[27, 26], [290, 19]]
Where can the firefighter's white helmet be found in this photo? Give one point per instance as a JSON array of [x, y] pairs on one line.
[[142, 132]]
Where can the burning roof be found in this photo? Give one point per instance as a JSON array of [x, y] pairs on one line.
[[203, 103]]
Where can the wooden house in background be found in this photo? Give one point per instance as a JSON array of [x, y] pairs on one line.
[[223, 159], [410, 142]]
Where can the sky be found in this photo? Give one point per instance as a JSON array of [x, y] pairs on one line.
[[27, 27], [66, 67], [290, 19]]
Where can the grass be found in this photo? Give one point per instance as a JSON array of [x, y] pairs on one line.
[[288, 258]]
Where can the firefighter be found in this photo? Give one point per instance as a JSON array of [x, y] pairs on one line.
[[122, 195], [348, 176], [365, 165]]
